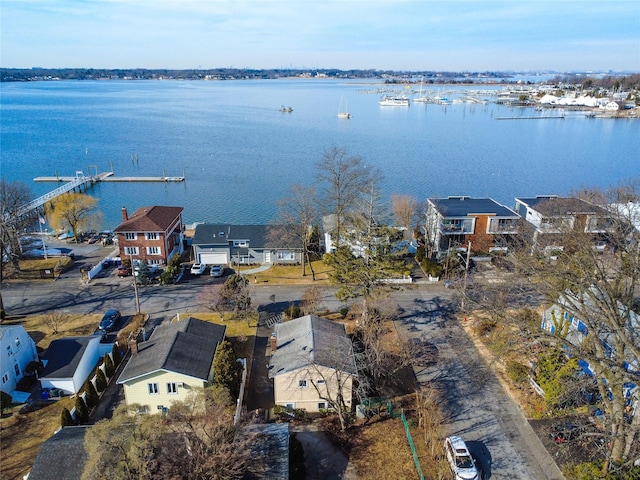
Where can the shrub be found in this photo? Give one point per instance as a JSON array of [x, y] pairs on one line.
[[5, 400], [101, 380], [344, 311], [91, 396], [116, 355], [66, 420], [227, 370], [485, 326], [292, 311], [420, 253], [82, 415], [517, 372], [108, 365]]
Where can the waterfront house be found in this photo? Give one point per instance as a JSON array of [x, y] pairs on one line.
[[311, 360], [353, 234], [69, 361], [17, 350], [550, 217], [177, 358], [153, 234], [453, 222], [223, 244]]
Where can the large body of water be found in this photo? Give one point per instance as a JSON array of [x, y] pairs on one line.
[[240, 154]]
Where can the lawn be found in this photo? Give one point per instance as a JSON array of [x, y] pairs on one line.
[[290, 274], [22, 434]]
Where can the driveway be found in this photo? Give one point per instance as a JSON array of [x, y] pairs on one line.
[[475, 404]]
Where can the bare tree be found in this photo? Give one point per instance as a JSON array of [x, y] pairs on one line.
[[54, 320], [599, 289], [13, 196], [297, 215], [344, 179], [405, 209], [311, 298]]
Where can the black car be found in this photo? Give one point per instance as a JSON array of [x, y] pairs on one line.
[[110, 320]]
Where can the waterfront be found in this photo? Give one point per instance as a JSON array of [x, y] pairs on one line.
[[240, 154]]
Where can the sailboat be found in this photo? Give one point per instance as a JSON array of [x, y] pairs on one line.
[[343, 113], [422, 98]]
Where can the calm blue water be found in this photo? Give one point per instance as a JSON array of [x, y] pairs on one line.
[[240, 154]]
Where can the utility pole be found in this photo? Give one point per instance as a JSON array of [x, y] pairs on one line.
[[135, 284], [466, 274]]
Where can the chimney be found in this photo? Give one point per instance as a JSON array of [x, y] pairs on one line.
[[274, 342], [125, 215], [133, 346]]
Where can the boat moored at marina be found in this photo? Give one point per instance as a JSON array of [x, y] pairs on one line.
[[394, 101]]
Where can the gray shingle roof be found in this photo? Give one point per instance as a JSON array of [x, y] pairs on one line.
[[63, 356], [221, 234], [311, 340], [62, 456], [186, 347]]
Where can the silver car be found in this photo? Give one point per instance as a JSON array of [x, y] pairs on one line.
[[460, 460]]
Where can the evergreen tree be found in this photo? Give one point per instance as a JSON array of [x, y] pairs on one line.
[[116, 355], [66, 420], [101, 380], [227, 370], [82, 415], [91, 396], [109, 368]]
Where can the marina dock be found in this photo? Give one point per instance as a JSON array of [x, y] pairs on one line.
[[79, 182]]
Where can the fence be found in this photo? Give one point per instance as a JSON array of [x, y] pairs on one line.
[[412, 446]]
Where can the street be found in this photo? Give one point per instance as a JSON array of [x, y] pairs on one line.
[[476, 405]]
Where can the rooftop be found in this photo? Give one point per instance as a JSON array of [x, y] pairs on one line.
[[467, 206]]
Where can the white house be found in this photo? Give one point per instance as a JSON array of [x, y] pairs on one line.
[[69, 361], [17, 349]]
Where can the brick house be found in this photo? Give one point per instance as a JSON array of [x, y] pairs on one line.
[[455, 221], [154, 234]]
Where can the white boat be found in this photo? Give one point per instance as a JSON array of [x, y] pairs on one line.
[[394, 101], [343, 113]]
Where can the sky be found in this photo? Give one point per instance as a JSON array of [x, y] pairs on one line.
[[415, 35]]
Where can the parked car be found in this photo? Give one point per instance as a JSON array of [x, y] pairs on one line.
[[110, 320], [460, 460], [124, 270], [198, 268], [216, 271]]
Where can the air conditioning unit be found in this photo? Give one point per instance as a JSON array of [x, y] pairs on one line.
[[180, 384]]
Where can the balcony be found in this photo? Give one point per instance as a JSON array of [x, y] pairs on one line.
[[503, 226], [457, 227]]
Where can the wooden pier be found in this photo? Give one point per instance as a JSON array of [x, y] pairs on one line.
[[79, 182]]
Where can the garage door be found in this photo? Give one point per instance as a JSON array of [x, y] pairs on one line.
[[214, 258]]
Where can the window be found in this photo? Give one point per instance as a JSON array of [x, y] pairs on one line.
[[320, 381], [152, 236], [131, 250], [302, 383], [240, 243], [5, 378], [16, 367], [9, 351], [322, 405], [153, 388], [289, 406], [130, 236], [153, 250], [172, 388], [17, 342], [285, 255]]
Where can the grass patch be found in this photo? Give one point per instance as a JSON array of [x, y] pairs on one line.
[[22, 435], [240, 332], [290, 274], [40, 327], [42, 264]]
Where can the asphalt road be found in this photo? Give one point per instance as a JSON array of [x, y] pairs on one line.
[[477, 406]]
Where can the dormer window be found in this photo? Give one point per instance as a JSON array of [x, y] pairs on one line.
[[130, 236]]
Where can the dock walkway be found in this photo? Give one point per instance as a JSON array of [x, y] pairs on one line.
[[77, 183]]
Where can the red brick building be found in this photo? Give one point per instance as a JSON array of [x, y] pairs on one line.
[[153, 234]]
